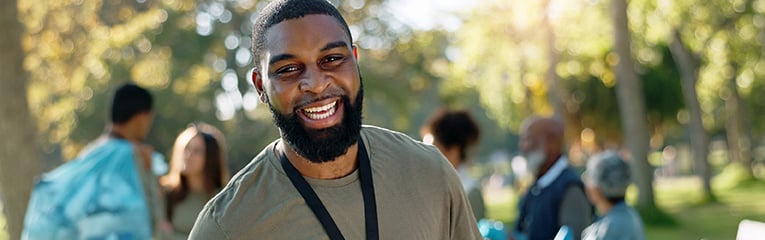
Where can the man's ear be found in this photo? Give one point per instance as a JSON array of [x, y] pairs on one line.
[[355, 52], [257, 81]]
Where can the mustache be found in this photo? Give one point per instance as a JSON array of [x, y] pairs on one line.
[[303, 103]]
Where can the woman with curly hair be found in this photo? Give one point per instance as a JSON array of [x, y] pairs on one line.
[[454, 133]]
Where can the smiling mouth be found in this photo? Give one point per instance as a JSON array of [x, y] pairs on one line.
[[320, 112]]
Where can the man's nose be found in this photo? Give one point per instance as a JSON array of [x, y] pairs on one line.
[[314, 80]]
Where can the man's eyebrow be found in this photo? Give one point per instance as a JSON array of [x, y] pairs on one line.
[[280, 57], [336, 44]]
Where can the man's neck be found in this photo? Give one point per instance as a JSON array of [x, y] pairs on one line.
[[604, 207], [548, 164], [122, 131], [340, 167]]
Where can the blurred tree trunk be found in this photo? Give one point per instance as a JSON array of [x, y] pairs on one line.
[[554, 91], [528, 105], [18, 156], [632, 107], [737, 129], [688, 65]]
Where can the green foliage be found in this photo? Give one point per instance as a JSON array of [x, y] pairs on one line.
[[504, 60], [662, 89], [722, 35], [733, 175], [501, 58], [596, 107], [182, 50], [756, 104]]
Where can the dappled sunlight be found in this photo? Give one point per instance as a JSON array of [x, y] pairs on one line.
[[504, 59], [153, 70]]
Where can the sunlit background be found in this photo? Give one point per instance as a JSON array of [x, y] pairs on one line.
[[503, 60]]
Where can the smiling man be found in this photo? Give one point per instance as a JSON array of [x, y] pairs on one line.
[[329, 177]]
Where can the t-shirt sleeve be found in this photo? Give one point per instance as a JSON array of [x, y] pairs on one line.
[[207, 226], [462, 223], [575, 210]]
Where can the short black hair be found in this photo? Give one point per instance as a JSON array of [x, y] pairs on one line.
[[278, 11], [454, 128], [129, 100]]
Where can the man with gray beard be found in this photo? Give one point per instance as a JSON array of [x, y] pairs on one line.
[[556, 198]]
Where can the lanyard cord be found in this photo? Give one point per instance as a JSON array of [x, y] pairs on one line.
[[318, 209]]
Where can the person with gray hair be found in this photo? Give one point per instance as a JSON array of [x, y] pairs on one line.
[[606, 179]]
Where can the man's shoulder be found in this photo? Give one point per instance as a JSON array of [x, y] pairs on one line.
[[400, 154], [261, 166], [378, 138], [251, 180], [380, 132], [570, 176]]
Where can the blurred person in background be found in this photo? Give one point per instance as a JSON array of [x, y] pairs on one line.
[[109, 190], [454, 132], [556, 198], [607, 178], [198, 170]]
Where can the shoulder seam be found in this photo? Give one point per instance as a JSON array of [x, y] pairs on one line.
[[217, 224]]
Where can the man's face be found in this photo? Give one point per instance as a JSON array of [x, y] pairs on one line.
[[311, 82], [146, 121], [529, 140], [532, 147]]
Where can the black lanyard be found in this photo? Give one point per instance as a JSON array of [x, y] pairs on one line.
[[318, 209]]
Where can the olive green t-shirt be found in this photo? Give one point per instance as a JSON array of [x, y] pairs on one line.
[[418, 193], [185, 213]]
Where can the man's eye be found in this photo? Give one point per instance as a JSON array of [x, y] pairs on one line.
[[286, 69], [334, 58], [332, 61]]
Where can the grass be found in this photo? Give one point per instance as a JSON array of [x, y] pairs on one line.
[[689, 216]]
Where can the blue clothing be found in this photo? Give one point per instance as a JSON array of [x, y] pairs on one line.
[[492, 230], [540, 207], [98, 195], [622, 223]]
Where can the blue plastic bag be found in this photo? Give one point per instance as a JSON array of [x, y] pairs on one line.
[[98, 195]]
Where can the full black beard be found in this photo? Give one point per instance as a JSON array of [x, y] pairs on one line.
[[323, 145]]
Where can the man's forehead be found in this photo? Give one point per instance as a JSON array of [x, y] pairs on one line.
[[308, 28]]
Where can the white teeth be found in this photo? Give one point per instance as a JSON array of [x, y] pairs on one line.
[[315, 116], [320, 109], [314, 112]]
